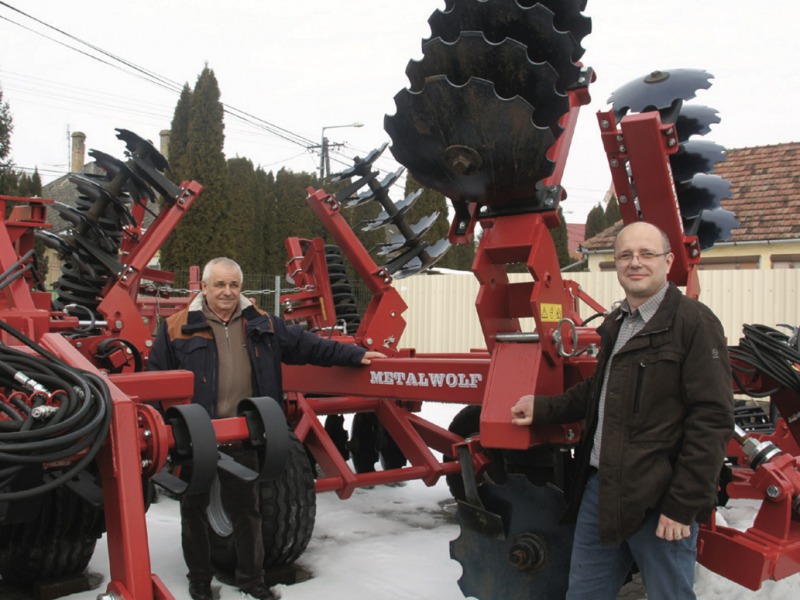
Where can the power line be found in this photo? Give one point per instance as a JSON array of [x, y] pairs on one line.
[[152, 77]]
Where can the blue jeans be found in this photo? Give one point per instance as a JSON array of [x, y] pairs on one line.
[[597, 572]]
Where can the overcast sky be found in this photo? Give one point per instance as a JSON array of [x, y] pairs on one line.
[[305, 65]]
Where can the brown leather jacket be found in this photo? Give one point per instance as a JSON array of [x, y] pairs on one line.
[[668, 418]]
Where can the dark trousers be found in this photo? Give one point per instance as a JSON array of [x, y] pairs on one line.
[[241, 501]]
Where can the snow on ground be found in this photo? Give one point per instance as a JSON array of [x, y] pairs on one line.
[[390, 542]]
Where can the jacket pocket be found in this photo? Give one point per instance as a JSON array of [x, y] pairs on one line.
[[657, 409]]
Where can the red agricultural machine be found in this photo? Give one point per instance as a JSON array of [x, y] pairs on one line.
[[85, 430]]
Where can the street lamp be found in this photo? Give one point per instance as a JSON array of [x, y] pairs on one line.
[[324, 159]]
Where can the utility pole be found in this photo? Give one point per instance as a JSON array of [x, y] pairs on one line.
[[325, 146]]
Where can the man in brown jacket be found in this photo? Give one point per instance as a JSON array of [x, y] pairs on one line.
[[658, 414]]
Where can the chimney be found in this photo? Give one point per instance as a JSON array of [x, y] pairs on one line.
[[78, 151], [165, 133]]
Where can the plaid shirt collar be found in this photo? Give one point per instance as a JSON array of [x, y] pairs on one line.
[[646, 310]]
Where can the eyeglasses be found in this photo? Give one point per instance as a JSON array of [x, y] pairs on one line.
[[645, 256]]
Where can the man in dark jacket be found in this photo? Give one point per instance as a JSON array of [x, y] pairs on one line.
[[659, 414], [235, 351]]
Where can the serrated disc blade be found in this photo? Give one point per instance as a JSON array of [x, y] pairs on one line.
[[567, 16], [488, 571], [663, 91], [92, 189], [422, 226], [133, 183], [505, 64], [405, 258], [369, 194], [385, 218], [68, 213], [696, 156], [469, 144], [695, 119], [715, 226], [500, 19], [143, 149], [424, 261], [361, 165], [702, 192]]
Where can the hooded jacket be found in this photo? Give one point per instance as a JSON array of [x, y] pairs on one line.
[[185, 341], [668, 418]]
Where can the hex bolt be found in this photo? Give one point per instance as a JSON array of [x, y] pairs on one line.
[[614, 163], [369, 341], [148, 343], [623, 199], [605, 124], [671, 142], [118, 324], [570, 434], [773, 491], [147, 433]]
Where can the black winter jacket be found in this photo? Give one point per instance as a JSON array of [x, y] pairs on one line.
[[668, 418], [185, 341]]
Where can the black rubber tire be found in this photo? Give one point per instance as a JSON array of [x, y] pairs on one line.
[[370, 443], [288, 512], [59, 542], [537, 464], [334, 425], [466, 423]]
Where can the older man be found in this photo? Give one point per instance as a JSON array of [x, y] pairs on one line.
[[235, 351], [659, 414]]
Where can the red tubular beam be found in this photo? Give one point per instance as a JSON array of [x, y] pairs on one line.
[[459, 380], [120, 467]]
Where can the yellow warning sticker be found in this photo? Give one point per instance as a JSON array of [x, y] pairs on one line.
[[550, 313]]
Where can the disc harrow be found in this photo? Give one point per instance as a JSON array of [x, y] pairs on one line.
[[406, 252], [699, 194], [486, 102]]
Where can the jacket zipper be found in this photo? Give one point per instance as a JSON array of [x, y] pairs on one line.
[[637, 398]]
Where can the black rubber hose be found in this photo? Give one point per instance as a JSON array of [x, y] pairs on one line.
[[80, 424]]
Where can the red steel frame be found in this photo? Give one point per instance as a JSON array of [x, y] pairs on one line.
[[516, 362]]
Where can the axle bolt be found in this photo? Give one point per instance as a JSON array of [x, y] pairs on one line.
[[528, 553]]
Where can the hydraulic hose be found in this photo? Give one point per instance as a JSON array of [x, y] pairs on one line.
[[770, 352], [68, 414]]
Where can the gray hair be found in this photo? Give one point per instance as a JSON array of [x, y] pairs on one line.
[[222, 261]]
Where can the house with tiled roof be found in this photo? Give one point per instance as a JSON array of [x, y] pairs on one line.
[[765, 196], [575, 234]]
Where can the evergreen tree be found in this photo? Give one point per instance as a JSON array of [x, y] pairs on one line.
[[612, 214], [242, 195], [595, 222], [561, 241], [7, 176], [268, 242], [6, 127], [179, 130], [208, 229]]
